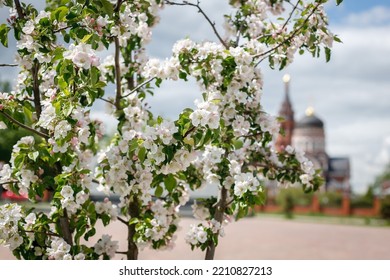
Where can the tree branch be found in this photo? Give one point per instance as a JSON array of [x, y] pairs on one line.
[[49, 233], [106, 100], [118, 5], [138, 87], [19, 9], [65, 228], [37, 95], [117, 74], [291, 14], [219, 213], [123, 221], [200, 10], [24, 126], [61, 29], [8, 65], [121, 252], [132, 249]]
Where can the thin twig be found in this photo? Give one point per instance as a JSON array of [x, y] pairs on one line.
[[291, 14], [288, 38], [8, 65], [189, 131], [121, 252], [24, 126], [200, 10], [288, 1], [138, 87], [61, 29], [123, 221], [49, 233], [106, 100], [95, 181], [117, 75]]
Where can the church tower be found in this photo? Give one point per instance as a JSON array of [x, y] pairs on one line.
[[309, 137], [286, 112]]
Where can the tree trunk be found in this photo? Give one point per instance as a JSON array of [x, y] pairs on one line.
[[65, 228], [132, 249], [221, 206]]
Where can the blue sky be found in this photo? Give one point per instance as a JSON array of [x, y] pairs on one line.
[[350, 94]]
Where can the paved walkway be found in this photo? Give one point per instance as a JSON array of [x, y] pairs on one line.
[[273, 239]]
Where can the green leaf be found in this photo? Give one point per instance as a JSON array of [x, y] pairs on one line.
[[108, 7], [67, 38], [4, 29], [159, 191], [60, 13], [90, 233], [183, 76], [19, 161], [142, 154], [133, 221], [94, 76], [338, 2], [242, 212], [170, 183], [100, 84], [86, 38], [337, 39], [328, 53], [81, 228], [33, 155]]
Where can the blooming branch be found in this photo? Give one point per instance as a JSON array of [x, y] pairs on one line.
[[44, 135], [292, 35]]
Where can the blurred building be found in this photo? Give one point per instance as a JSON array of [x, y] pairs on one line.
[[308, 135]]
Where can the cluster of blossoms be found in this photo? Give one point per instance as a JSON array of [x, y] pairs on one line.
[[106, 207], [198, 235], [224, 143], [82, 55], [70, 201], [306, 165], [105, 246], [132, 22], [10, 216], [59, 250]]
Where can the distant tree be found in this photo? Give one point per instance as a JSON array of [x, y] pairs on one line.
[[377, 187]]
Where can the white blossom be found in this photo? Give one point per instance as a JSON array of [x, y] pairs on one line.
[[59, 249]]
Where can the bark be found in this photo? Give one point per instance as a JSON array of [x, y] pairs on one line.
[[132, 249], [65, 228], [219, 213]]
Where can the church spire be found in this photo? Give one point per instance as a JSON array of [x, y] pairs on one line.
[[286, 112], [286, 80]]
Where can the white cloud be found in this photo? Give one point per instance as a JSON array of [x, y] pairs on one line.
[[373, 17]]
